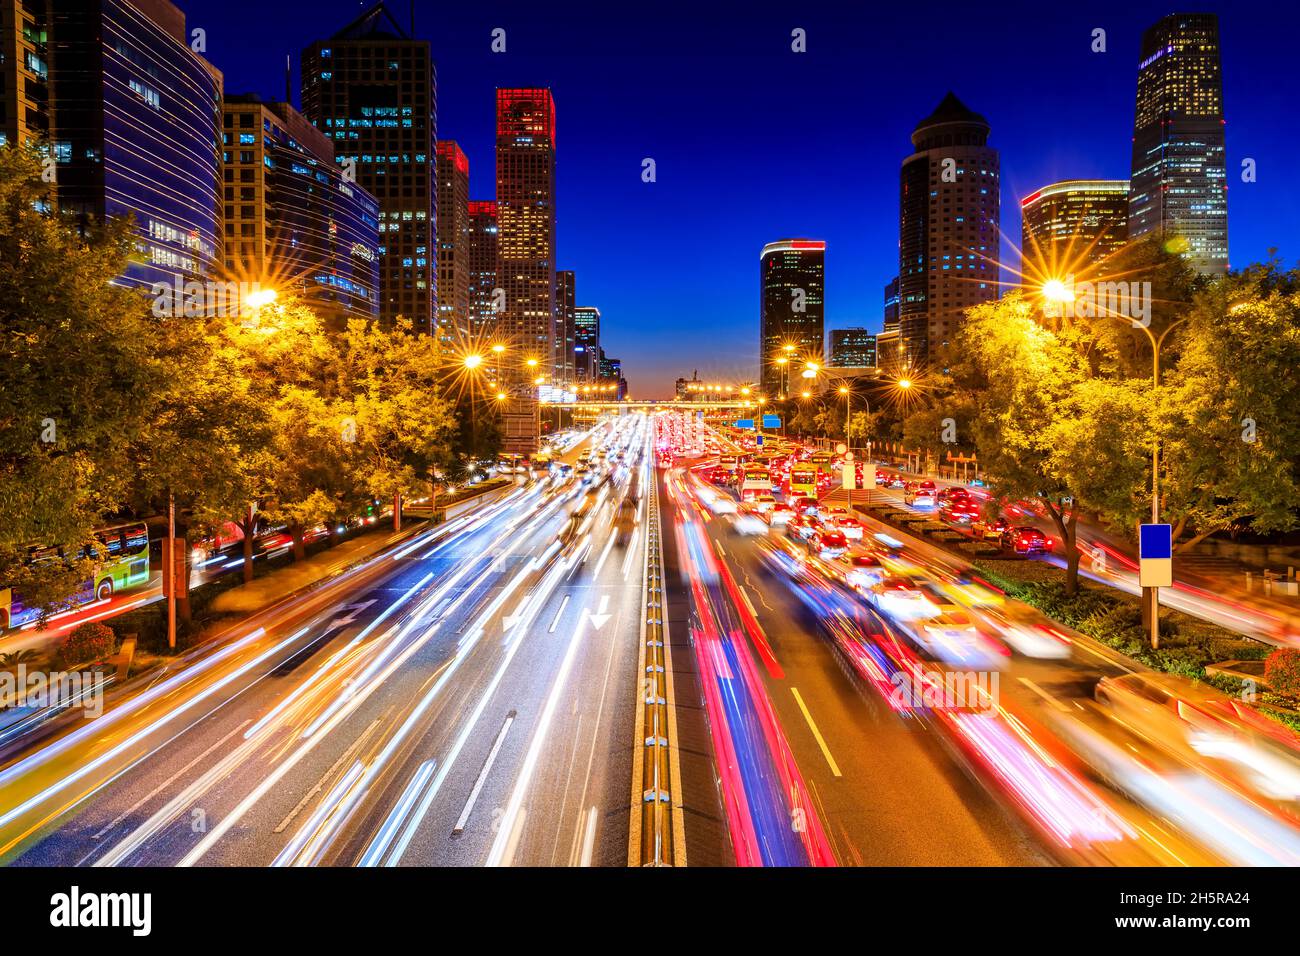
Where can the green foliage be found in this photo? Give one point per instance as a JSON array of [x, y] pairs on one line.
[[87, 643], [1282, 671], [78, 357]]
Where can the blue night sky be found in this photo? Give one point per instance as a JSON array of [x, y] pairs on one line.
[[754, 143]]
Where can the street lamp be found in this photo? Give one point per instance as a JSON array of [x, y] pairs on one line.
[[1056, 291], [473, 361], [261, 297]]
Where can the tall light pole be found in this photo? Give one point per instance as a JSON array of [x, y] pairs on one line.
[[1054, 290]]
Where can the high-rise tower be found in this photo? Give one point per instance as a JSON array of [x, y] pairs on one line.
[[1179, 181], [947, 228]]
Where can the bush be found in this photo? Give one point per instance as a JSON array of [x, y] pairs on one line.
[[1282, 671], [86, 643]]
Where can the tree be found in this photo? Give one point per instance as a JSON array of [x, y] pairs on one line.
[[404, 428], [80, 357], [1229, 423], [1020, 384], [311, 481]]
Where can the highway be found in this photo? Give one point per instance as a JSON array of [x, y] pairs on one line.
[[466, 700], [1062, 753]]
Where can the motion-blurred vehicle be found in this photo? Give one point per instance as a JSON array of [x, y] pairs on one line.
[[990, 529], [624, 521], [850, 526], [951, 493], [806, 507], [863, 569], [918, 497], [1248, 747], [827, 543], [762, 504], [779, 514], [1026, 540], [959, 511], [748, 523], [900, 598], [802, 527]]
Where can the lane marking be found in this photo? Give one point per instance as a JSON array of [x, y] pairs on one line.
[[482, 775], [563, 605], [821, 742]]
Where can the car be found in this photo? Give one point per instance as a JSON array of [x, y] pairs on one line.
[[952, 493], [850, 526], [748, 523], [802, 527], [806, 506], [762, 504], [719, 475], [863, 569], [959, 511], [1026, 540], [989, 528], [827, 543], [918, 497], [779, 514], [899, 597]]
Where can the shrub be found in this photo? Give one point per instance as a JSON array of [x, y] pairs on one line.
[[86, 643], [1282, 671]]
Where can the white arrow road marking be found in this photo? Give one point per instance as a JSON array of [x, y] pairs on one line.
[[598, 619], [351, 618]]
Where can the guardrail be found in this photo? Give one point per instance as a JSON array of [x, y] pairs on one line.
[[657, 838]]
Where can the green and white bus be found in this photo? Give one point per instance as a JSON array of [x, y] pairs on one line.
[[121, 564]]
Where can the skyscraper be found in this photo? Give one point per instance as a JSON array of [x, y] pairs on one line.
[[24, 72], [372, 89], [482, 261], [586, 344], [526, 220], [1179, 180], [791, 310], [453, 242], [947, 228], [565, 325], [891, 304], [1072, 227], [304, 229], [852, 348], [135, 131]]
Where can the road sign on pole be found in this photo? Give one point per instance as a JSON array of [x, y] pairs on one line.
[[1155, 556]]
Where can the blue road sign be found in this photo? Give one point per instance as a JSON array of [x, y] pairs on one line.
[[771, 421], [745, 423], [1156, 541], [759, 441], [1155, 556]]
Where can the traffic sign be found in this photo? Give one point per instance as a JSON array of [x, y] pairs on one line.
[[771, 421], [1155, 556], [745, 423], [759, 441]]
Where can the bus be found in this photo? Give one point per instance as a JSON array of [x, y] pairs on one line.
[[802, 482], [755, 481], [123, 564]]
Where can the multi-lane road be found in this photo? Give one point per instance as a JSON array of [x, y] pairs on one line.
[[466, 698], [477, 694]]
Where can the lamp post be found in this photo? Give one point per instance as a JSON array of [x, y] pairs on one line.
[[1054, 290]]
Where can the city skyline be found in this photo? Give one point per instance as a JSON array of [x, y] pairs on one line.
[[705, 169], [350, 520]]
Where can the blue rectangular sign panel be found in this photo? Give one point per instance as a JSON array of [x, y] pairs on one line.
[[1155, 541], [745, 423], [771, 421], [759, 441]]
